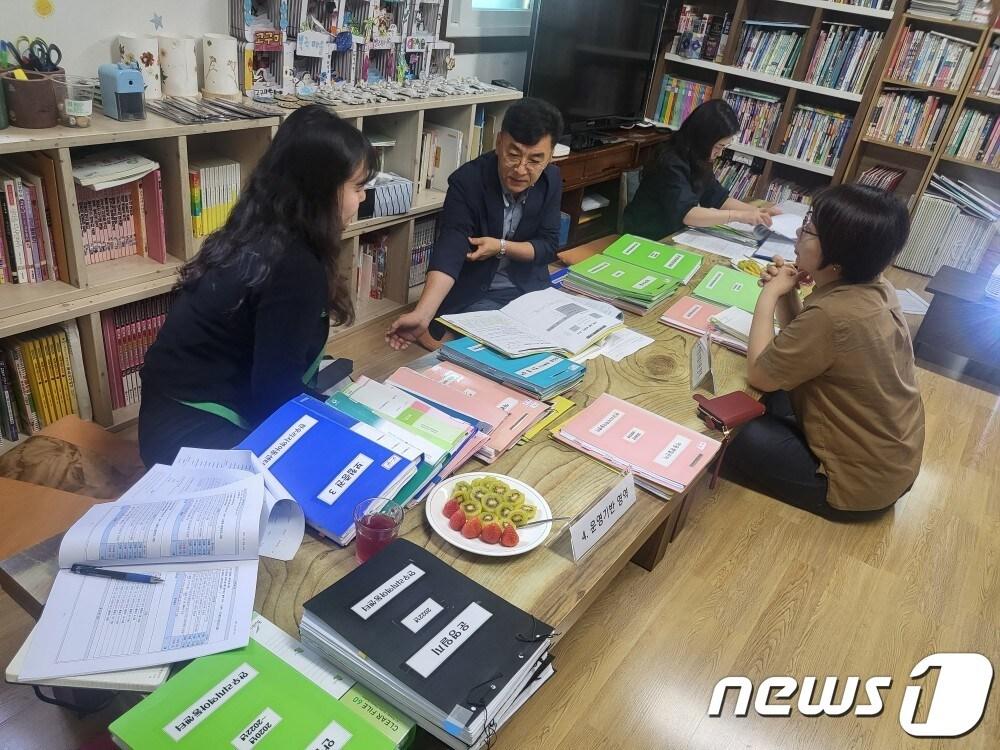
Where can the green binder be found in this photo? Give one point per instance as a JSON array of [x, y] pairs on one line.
[[667, 260], [246, 699], [621, 278], [730, 288]]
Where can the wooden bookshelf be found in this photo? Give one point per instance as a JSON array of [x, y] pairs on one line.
[[97, 287], [857, 10], [897, 146], [920, 87], [971, 164]]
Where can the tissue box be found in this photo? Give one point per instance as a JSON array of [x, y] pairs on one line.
[[388, 195]]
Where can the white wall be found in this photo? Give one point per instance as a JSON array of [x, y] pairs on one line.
[[86, 29]]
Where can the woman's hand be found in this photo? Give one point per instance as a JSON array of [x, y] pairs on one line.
[[781, 278], [753, 216], [773, 210], [406, 329]]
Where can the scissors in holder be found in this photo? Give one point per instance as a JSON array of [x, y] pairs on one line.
[[10, 55], [42, 56]]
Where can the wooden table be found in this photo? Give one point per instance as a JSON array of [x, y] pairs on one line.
[[545, 582]]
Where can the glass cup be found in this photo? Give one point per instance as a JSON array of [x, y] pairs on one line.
[[376, 524], [74, 100]]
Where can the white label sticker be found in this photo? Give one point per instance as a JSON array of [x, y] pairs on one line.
[[332, 492], [617, 274], [715, 279], [507, 404], [598, 268], [387, 592], [286, 441], [644, 282], [674, 260], [333, 737], [79, 107], [675, 448], [737, 286], [390, 462], [654, 255], [607, 423], [695, 309], [476, 348], [634, 435], [592, 525], [448, 640], [422, 615], [632, 247], [202, 708], [256, 730], [540, 366]]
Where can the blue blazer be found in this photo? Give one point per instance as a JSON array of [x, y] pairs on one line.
[[473, 207]]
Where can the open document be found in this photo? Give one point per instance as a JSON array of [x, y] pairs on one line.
[[545, 321], [204, 546]]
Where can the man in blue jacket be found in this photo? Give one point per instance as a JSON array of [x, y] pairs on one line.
[[498, 230]]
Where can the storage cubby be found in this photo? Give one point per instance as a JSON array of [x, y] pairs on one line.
[[403, 127], [462, 119]]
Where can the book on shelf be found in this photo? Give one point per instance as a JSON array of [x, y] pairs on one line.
[[987, 79], [930, 58], [882, 177], [215, 188], [907, 117], [43, 380], [953, 10], [779, 191], [700, 35], [942, 233], [371, 273], [678, 98], [758, 113], [816, 135], [969, 198], [424, 234], [843, 56], [770, 47], [976, 137], [441, 154], [738, 173], [128, 332]]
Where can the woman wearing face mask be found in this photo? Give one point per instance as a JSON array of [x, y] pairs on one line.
[[844, 430], [253, 310], [679, 188]]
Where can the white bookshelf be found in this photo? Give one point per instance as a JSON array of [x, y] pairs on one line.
[[782, 159], [856, 10]]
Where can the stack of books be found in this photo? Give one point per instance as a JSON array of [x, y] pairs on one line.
[[957, 10], [770, 47], [120, 201], [215, 187], [758, 113], [543, 376], [679, 97], [424, 234], [953, 225], [816, 135], [441, 154], [976, 137], [779, 190], [32, 245], [371, 272], [738, 173], [909, 118], [987, 79], [664, 456], [930, 58], [729, 287], [41, 380], [129, 330], [693, 315], [701, 35], [882, 177], [843, 56], [460, 671]]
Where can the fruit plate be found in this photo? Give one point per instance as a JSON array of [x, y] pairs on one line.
[[529, 538]]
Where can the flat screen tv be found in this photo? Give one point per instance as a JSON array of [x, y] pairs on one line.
[[593, 59]]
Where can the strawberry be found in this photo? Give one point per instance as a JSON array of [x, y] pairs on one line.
[[473, 528], [491, 533], [457, 520], [450, 507], [509, 538]]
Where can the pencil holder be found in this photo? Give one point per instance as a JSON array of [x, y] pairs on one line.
[[31, 101]]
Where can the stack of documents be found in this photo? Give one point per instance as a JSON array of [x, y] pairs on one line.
[[729, 288], [272, 693], [444, 650], [663, 455], [733, 322], [621, 284], [543, 376], [696, 316], [544, 321], [108, 169]]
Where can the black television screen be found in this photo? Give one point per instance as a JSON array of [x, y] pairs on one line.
[[593, 58]]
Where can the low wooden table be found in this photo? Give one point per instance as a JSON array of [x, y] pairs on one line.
[[545, 582]]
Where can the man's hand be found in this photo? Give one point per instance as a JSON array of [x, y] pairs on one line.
[[406, 329], [483, 248]]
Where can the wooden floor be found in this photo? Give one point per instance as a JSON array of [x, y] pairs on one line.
[[754, 588]]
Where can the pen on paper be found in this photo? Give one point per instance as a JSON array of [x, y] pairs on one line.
[[90, 570]]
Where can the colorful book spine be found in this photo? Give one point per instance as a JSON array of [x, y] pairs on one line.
[[758, 113], [816, 135], [681, 97]]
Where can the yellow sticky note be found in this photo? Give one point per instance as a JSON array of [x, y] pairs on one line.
[[19, 74], [560, 406]]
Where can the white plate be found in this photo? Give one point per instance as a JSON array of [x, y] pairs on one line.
[[528, 538]]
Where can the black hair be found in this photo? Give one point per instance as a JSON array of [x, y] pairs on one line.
[[292, 197], [710, 123], [860, 228], [529, 120]]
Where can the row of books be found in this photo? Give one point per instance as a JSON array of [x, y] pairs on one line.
[[976, 137], [987, 79], [32, 246], [758, 113], [816, 135], [779, 190], [372, 268], [440, 154], [908, 118], [737, 176], [128, 331], [678, 98], [701, 35], [957, 10], [770, 47], [876, 4], [950, 226], [42, 380], [843, 56], [120, 199], [424, 234], [930, 58], [215, 187], [882, 177]]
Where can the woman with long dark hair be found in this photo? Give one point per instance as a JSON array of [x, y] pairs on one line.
[[679, 188], [253, 309]]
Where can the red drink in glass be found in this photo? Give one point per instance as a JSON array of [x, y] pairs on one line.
[[375, 529]]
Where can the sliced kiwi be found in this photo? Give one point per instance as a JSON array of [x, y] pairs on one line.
[[472, 507]]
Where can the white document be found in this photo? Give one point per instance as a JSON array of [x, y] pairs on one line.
[[542, 321], [616, 347], [735, 322], [911, 302], [775, 245], [786, 225], [93, 625], [709, 244]]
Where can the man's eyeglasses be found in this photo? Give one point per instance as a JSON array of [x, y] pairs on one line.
[[515, 161], [807, 222]]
